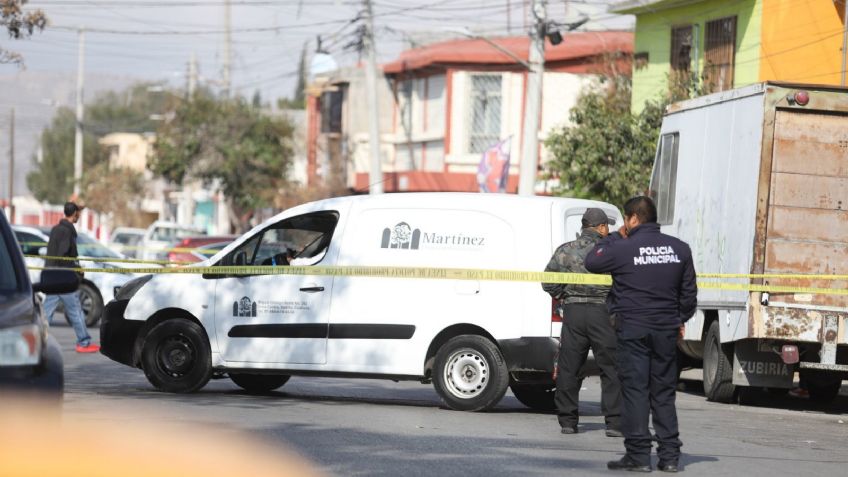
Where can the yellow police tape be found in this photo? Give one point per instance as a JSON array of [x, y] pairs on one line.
[[460, 274]]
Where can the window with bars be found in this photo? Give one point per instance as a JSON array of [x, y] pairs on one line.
[[720, 53], [681, 49], [485, 120]]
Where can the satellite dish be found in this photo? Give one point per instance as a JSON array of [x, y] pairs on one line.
[[322, 63]]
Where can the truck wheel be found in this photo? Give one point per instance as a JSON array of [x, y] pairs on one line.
[[536, 396], [470, 373], [718, 367], [92, 304], [259, 383], [176, 357], [822, 387]]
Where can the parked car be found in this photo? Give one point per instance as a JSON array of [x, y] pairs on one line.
[[160, 235], [127, 241], [183, 250], [96, 289], [30, 358], [205, 252]]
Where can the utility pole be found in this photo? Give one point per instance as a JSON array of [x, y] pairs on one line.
[[228, 40], [79, 118], [533, 102], [844, 41], [12, 167], [192, 75], [375, 176]]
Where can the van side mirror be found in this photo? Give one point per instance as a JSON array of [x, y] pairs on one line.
[[57, 282]]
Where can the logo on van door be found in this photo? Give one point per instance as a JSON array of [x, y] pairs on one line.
[[244, 307], [401, 236]]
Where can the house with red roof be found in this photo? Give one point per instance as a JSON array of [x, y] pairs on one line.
[[442, 106]]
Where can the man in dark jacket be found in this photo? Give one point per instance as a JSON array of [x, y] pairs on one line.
[[586, 323], [653, 293], [63, 243]]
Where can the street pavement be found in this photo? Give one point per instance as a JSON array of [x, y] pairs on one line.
[[371, 427]]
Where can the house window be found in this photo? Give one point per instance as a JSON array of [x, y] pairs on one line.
[[485, 121], [720, 51], [331, 112], [681, 58], [641, 60], [664, 177]]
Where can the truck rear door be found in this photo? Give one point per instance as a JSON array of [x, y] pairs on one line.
[[807, 230]]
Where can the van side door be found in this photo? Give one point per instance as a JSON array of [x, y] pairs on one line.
[[263, 317]]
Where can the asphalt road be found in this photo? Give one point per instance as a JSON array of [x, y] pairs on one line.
[[370, 427]]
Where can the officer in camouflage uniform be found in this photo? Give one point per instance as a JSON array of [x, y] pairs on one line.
[[586, 323]]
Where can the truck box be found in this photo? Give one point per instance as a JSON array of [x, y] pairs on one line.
[[756, 181]]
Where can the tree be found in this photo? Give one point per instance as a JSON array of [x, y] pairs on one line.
[[115, 191], [125, 111], [52, 180], [607, 152], [20, 24], [298, 100], [231, 143]]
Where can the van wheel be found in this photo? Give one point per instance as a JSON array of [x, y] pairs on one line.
[[718, 367], [259, 383], [176, 357], [535, 396], [470, 373]]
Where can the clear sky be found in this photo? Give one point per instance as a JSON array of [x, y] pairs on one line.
[[154, 39]]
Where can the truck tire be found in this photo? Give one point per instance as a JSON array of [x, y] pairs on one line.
[[176, 357], [823, 388], [718, 367], [535, 396], [259, 383], [470, 373]]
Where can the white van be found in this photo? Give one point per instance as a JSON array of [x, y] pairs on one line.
[[472, 339]]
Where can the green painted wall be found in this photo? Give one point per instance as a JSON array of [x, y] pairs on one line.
[[653, 35]]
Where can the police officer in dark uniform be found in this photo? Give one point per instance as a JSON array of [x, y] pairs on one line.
[[586, 324], [653, 293]]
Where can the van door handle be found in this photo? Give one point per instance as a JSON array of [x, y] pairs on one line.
[[312, 289]]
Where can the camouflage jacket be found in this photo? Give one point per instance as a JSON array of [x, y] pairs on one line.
[[568, 258]]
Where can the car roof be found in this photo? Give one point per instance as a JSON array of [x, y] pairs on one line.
[[31, 230]]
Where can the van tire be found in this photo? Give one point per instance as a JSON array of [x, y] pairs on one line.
[[176, 357], [536, 396], [259, 383], [718, 367], [470, 373]]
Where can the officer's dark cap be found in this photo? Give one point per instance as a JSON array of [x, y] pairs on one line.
[[594, 217]]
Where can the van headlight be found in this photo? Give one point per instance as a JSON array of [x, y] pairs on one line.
[[20, 345], [129, 289]]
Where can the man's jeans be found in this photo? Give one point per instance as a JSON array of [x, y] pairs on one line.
[[73, 311]]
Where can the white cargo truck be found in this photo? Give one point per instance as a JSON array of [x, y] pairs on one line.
[[756, 181]]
